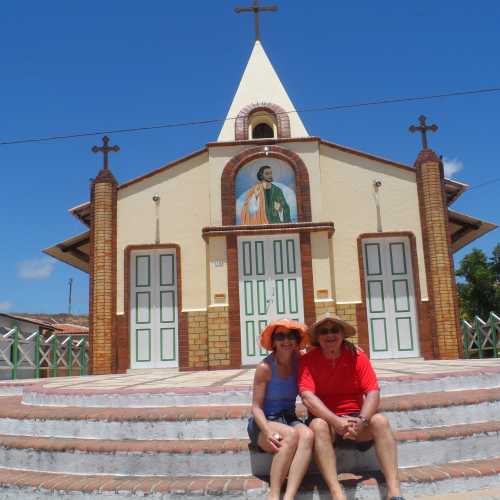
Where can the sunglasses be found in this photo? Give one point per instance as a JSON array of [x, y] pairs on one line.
[[325, 330], [280, 336]]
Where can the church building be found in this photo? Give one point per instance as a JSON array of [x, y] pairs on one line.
[[278, 223]]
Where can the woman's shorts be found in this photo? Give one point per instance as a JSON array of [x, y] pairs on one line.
[[286, 418]]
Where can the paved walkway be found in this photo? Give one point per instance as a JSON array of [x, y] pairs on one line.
[[486, 494], [172, 378]]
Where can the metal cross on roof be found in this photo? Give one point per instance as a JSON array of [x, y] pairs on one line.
[[255, 8], [105, 149], [423, 128]]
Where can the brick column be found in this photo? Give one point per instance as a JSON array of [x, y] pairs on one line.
[[218, 337], [103, 273], [438, 257]]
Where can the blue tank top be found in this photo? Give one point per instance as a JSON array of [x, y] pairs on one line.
[[280, 393]]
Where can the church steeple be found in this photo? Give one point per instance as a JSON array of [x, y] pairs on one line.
[[260, 87]]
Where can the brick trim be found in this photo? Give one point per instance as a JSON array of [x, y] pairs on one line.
[[233, 291], [114, 285], [279, 114], [228, 177], [307, 278], [233, 301], [309, 227], [105, 176], [91, 283], [424, 333], [183, 331], [426, 156], [266, 141]]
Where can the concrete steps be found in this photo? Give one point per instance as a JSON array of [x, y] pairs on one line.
[[15, 387], [36, 394], [416, 482], [231, 457], [229, 421], [73, 442]]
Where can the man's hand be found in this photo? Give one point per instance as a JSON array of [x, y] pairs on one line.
[[274, 439], [342, 425], [355, 427]]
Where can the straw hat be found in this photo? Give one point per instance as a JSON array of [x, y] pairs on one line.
[[348, 329], [267, 334]]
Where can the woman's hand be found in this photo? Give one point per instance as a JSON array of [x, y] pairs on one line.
[[273, 438]]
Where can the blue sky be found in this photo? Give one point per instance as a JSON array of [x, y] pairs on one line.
[[70, 67]]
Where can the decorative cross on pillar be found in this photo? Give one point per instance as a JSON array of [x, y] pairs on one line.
[[256, 9], [105, 149], [423, 128]]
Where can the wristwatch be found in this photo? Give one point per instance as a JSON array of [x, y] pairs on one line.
[[365, 420]]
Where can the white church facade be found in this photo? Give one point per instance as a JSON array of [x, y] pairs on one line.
[[189, 262]]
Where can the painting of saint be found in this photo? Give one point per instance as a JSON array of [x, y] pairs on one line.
[[271, 198]]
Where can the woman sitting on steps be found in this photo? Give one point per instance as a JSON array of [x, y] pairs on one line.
[[273, 426]]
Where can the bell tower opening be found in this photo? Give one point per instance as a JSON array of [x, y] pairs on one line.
[[262, 131], [262, 125]]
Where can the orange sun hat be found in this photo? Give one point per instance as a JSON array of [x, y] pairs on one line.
[[266, 336]]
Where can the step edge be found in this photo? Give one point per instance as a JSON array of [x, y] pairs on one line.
[[389, 404], [412, 475], [217, 445]]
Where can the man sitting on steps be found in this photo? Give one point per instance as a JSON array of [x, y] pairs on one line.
[[340, 391]]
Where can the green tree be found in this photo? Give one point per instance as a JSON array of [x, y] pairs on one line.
[[479, 293]]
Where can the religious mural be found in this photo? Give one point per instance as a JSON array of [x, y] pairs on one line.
[[265, 193]]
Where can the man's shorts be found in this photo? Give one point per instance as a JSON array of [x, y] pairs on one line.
[[347, 444], [286, 418]]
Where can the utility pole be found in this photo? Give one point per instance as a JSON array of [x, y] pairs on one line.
[[70, 286]]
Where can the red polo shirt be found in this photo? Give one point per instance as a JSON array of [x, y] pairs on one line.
[[340, 387]]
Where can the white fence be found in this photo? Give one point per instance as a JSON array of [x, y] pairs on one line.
[[36, 354]]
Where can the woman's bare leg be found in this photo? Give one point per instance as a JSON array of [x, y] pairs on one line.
[[300, 461], [282, 459]]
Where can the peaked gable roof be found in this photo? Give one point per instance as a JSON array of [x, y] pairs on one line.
[[260, 83]]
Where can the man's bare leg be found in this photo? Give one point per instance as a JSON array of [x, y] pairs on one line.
[[324, 455], [380, 431]]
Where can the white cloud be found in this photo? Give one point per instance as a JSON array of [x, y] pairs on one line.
[[452, 166], [6, 305], [35, 269]]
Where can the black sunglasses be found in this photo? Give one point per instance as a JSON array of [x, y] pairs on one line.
[[332, 329], [291, 335]]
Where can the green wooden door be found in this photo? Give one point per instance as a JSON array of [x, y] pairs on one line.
[[390, 298], [270, 286], [153, 312]]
